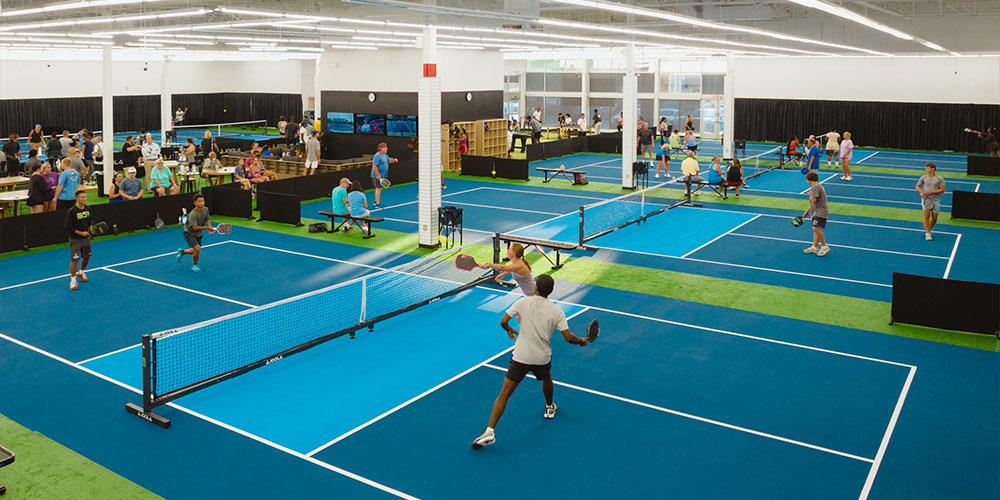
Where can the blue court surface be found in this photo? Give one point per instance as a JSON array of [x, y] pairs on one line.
[[675, 399]]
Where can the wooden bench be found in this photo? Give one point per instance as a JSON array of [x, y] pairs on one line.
[[552, 173], [784, 157], [347, 218]]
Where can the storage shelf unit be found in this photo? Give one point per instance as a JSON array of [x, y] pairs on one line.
[[482, 142]]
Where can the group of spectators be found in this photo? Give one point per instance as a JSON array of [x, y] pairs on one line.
[[82, 148]]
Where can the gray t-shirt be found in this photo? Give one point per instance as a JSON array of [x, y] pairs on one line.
[[312, 149], [538, 317], [196, 218], [77, 163], [928, 183], [131, 187], [66, 143], [819, 208], [646, 136]]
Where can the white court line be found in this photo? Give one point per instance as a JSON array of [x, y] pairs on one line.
[[806, 190], [954, 249], [842, 246], [977, 188], [713, 240], [700, 419], [744, 266], [195, 414], [104, 267], [907, 178], [443, 195], [867, 157], [503, 208], [870, 480], [99, 356], [832, 197], [595, 164], [176, 287], [919, 168], [562, 195], [421, 395], [828, 222], [292, 252]]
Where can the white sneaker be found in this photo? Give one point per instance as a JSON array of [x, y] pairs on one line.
[[843, 177], [828, 162], [484, 439], [809, 250], [849, 178], [72, 284], [823, 250], [550, 411], [928, 237], [657, 175]]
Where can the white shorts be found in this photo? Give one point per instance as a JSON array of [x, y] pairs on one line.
[[312, 164]]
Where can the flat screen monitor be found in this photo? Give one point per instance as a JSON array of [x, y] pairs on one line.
[[369, 124], [340, 123], [401, 125]]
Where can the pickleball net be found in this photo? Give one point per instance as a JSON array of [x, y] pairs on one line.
[[181, 361], [603, 217]]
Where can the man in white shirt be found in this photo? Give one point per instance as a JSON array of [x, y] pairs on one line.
[[581, 124], [150, 153], [538, 317], [312, 154], [537, 114]]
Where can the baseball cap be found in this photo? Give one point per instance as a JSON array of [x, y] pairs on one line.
[[131, 170]]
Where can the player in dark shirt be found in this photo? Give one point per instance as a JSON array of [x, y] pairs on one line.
[[78, 226]]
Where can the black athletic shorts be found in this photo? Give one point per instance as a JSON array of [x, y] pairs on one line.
[[516, 371], [819, 222], [192, 240]]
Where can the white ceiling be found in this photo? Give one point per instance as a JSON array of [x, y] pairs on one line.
[[957, 26]]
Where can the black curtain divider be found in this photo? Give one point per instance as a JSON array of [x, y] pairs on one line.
[[277, 207], [481, 166], [12, 233], [535, 152], [46, 228], [605, 143], [224, 107], [966, 306], [982, 165], [578, 144], [901, 125], [557, 148], [228, 200], [133, 113], [975, 206], [507, 168], [317, 185]]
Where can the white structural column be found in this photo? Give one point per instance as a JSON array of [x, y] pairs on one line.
[[729, 116], [630, 107], [429, 143], [107, 118], [585, 93], [166, 109], [317, 100]]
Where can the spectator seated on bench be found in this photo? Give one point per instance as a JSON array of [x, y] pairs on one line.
[[791, 152], [356, 211], [675, 143], [240, 175], [258, 174], [162, 181]]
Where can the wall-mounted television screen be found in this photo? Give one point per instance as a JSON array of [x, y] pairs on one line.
[[340, 123], [369, 124], [401, 125]]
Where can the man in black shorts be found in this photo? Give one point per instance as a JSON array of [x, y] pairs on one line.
[[78, 226], [197, 221], [538, 317]]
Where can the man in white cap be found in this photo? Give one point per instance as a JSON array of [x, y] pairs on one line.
[[131, 188]]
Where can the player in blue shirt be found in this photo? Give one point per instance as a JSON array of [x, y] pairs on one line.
[[812, 159], [69, 180], [380, 169]]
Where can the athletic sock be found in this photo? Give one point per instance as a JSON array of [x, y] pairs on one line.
[[489, 430]]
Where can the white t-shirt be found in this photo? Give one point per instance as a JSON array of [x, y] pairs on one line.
[[832, 140], [582, 123], [537, 114], [538, 318]]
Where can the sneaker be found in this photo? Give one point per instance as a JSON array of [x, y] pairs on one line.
[[828, 162], [823, 250], [843, 177], [737, 196], [180, 253], [345, 228], [550, 411], [72, 284], [849, 178], [657, 176], [928, 237], [82, 276], [810, 250], [379, 205], [196, 268], [485, 439]]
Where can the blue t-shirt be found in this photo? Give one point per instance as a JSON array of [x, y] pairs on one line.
[[663, 153], [813, 157], [69, 180], [381, 162], [691, 141], [88, 150], [713, 176], [357, 200], [339, 193]]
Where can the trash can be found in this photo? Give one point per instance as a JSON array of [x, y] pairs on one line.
[[99, 175]]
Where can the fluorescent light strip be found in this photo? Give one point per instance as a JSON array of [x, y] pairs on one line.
[[70, 5], [705, 24], [852, 16], [98, 20]]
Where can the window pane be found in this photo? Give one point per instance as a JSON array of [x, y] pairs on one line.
[[555, 105], [681, 83], [512, 83], [530, 103], [563, 82], [676, 111], [646, 111], [606, 82], [713, 84], [536, 64], [646, 82], [535, 82], [609, 109]]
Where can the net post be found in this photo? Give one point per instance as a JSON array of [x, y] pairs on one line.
[[581, 226], [148, 368]]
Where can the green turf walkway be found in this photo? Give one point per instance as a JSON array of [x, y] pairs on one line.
[[45, 469]]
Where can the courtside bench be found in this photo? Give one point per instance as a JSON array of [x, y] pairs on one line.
[[552, 173], [539, 245], [334, 226]]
